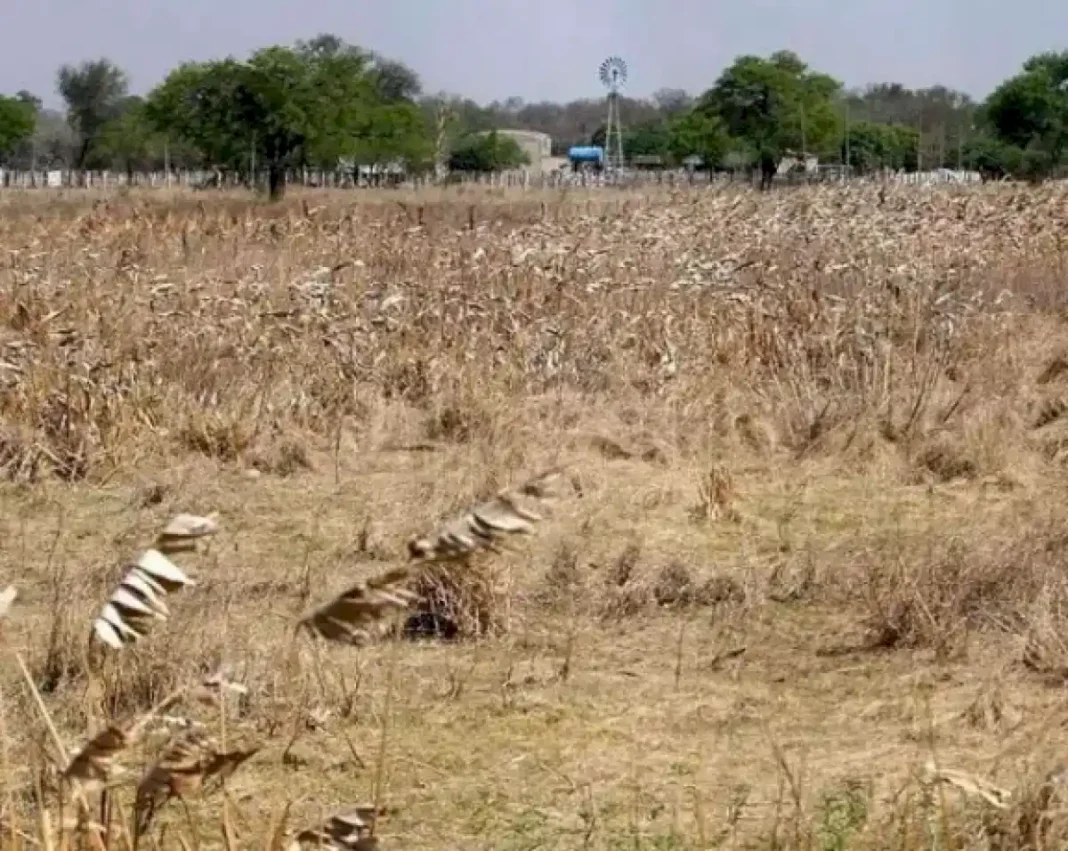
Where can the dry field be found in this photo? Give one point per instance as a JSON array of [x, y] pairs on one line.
[[804, 588]]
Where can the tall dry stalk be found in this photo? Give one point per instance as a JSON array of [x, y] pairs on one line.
[[881, 331]]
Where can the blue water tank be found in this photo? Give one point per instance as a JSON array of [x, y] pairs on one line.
[[586, 154]]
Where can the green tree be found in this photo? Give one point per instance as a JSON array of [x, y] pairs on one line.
[[396, 131], [698, 133], [197, 103], [776, 105], [314, 104], [943, 117], [53, 142], [649, 138], [364, 107], [486, 152], [23, 153], [340, 108], [568, 124], [17, 122], [395, 81], [687, 133], [284, 107], [992, 158], [1029, 112], [326, 45], [30, 99], [903, 144], [392, 79], [871, 146], [94, 92], [130, 141]]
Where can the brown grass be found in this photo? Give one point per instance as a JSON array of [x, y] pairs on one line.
[[806, 589]]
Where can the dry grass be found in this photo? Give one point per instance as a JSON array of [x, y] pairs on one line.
[[805, 589]]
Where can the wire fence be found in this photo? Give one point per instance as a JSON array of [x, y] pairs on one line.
[[204, 179]]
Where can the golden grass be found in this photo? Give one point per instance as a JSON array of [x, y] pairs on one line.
[[806, 589]]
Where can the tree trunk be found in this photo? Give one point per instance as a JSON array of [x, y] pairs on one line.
[[768, 167], [276, 182], [82, 155]]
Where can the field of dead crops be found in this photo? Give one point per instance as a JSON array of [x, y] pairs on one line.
[[797, 578]]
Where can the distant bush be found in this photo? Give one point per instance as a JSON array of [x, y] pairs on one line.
[[486, 152]]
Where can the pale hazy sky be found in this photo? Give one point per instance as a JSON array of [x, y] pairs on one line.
[[545, 49]]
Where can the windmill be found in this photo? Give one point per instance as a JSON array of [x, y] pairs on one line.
[[613, 74]]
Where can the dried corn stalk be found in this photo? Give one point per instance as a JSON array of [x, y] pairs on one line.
[[139, 598], [508, 513], [7, 597], [183, 532], [187, 764], [95, 764], [97, 761], [970, 784], [352, 616], [351, 831], [214, 687]]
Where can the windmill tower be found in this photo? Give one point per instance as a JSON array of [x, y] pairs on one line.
[[613, 74]]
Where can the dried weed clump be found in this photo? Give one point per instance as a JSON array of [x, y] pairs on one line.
[[194, 761], [797, 415]]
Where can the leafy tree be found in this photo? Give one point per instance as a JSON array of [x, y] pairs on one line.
[[339, 105], [872, 146], [22, 153], [1030, 112], [240, 113], [94, 93], [197, 103], [901, 147], [650, 138], [17, 122], [775, 105], [992, 158], [698, 133], [130, 141], [672, 102], [1038, 162], [326, 45], [568, 124], [314, 104], [486, 152], [688, 133], [944, 118], [53, 142], [281, 105], [466, 116], [363, 106], [30, 99], [894, 103], [396, 131], [395, 81]]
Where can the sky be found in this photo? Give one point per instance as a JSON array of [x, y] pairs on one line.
[[545, 49]]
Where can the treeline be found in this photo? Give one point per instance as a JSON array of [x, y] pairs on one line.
[[324, 103]]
